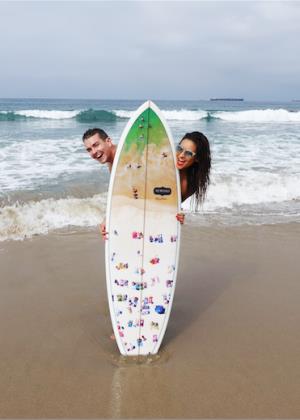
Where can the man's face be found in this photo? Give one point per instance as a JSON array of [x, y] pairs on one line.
[[98, 149]]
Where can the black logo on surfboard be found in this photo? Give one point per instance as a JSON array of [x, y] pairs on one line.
[[162, 191]]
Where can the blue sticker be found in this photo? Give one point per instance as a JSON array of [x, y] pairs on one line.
[[160, 309]]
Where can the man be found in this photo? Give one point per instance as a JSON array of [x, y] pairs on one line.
[[101, 148]]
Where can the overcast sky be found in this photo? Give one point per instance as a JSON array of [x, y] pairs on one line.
[[162, 50]]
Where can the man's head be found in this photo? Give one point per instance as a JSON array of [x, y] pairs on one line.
[[99, 145]]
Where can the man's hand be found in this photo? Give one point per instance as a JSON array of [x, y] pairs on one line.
[[103, 231], [180, 217]]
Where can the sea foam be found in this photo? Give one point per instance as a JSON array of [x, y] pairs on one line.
[[254, 116], [51, 114], [26, 164], [176, 115], [21, 221], [98, 115], [258, 116]]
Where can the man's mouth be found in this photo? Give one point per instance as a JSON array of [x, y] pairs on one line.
[[99, 156]]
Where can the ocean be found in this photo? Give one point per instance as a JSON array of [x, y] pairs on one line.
[[48, 181]]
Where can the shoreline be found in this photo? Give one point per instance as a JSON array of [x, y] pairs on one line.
[[231, 348]]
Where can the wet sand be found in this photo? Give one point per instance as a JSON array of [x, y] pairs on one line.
[[231, 348]]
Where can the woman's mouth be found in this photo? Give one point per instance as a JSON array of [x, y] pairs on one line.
[[180, 163]]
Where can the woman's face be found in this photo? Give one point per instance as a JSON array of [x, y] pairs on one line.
[[185, 154]]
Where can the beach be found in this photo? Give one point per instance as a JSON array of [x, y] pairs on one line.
[[231, 348]]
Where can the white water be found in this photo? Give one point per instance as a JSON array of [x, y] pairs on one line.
[[255, 166], [39, 217], [255, 115], [259, 116], [51, 114], [35, 218]]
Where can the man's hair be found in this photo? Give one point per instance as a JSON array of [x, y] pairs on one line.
[[92, 131]]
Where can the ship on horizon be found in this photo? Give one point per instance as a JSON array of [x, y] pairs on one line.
[[227, 99]]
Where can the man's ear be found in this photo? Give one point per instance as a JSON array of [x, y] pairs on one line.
[[108, 140]]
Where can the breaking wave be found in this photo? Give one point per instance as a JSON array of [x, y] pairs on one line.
[[259, 116], [256, 193], [21, 221], [177, 115], [90, 115], [254, 116], [37, 113], [94, 115]]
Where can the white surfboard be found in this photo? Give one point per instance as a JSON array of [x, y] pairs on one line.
[[142, 249]]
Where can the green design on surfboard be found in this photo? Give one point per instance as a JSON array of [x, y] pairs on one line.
[[152, 128]]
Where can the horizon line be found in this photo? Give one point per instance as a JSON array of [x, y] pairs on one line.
[[143, 99]]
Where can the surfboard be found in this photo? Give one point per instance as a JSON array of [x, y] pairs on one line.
[[142, 248]]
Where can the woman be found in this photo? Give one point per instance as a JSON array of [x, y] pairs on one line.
[[194, 162]]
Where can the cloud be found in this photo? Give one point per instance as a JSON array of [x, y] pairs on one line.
[[150, 49]]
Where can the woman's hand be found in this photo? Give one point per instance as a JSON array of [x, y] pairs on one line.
[[180, 217]]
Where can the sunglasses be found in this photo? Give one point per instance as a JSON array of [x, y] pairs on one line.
[[187, 153]]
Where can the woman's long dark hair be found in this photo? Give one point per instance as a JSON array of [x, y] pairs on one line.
[[198, 174]]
